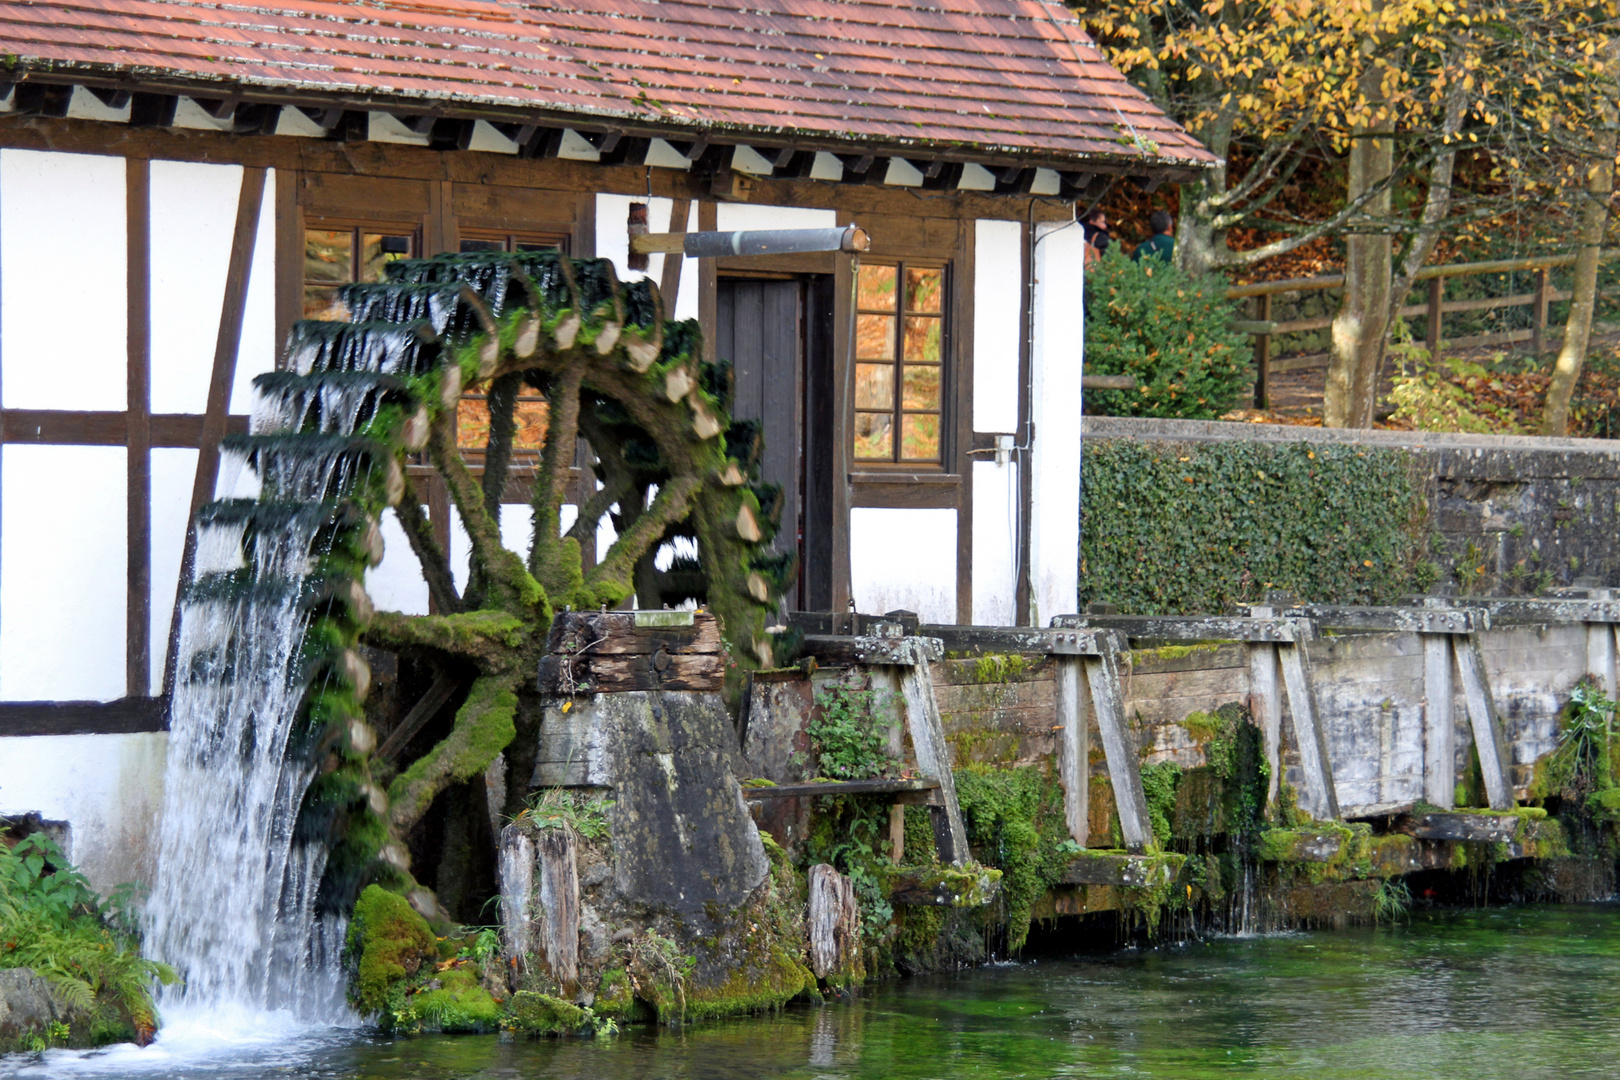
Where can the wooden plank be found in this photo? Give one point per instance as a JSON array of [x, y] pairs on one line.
[[938, 492], [1124, 770], [1439, 727], [438, 692], [1600, 656], [680, 212], [1491, 828], [1129, 871], [708, 284], [1487, 728], [1265, 705], [1074, 748], [811, 788], [119, 717], [905, 651], [1319, 795], [227, 345], [959, 321], [138, 431], [934, 759], [289, 258]]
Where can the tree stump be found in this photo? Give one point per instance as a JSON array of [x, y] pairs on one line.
[[834, 926]]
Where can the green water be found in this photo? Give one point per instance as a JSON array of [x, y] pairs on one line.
[[1512, 993]]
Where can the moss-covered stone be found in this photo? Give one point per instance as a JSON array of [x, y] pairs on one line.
[[457, 1004], [389, 942], [538, 1015]]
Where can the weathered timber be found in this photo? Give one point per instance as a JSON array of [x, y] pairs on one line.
[[1059, 640], [516, 862], [888, 651], [1491, 828], [1439, 730], [1130, 871], [930, 886], [618, 674], [1601, 653], [1515, 610], [841, 787], [1487, 727], [1200, 628], [559, 905], [1074, 749], [1417, 620], [933, 759], [1124, 770], [1319, 793], [834, 924], [1265, 704], [426, 709], [1307, 845]]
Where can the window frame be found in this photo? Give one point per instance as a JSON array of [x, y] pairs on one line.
[[357, 227], [947, 374]]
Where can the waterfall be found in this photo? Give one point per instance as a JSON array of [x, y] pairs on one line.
[[237, 906]]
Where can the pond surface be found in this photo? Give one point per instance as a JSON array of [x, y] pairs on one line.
[[1514, 993]]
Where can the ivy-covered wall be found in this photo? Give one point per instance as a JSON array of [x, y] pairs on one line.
[[1193, 528], [1189, 517]]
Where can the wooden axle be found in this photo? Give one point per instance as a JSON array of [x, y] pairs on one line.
[[851, 240]]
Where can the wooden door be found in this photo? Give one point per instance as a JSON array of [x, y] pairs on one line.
[[760, 329]]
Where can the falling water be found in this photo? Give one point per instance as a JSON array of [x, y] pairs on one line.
[[234, 905]]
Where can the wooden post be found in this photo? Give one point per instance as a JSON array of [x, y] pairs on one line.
[[934, 757], [1124, 768], [516, 863], [1265, 705], [1308, 734], [1437, 295], [1262, 355], [559, 903], [1439, 728], [1482, 718], [1074, 749], [834, 922], [1538, 320], [138, 433], [680, 211], [1600, 656]]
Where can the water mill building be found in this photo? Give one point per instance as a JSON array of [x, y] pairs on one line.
[[180, 182]]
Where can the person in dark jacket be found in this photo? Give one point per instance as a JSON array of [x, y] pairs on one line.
[[1161, 244], [1095, 225]]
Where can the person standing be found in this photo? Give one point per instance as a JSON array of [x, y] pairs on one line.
[[1161, 244], [1095, 226]]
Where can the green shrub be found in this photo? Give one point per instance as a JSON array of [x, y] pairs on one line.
[[1187, 529], [52, 922], [1171, 331]]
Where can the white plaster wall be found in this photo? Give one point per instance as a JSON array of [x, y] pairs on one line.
[[193, 209], [173, 472], [396, 583], [903, 560], [62, 573], [613, 242], [738, 216], [1058, 346], [995, 543], [63, 300], [997, 273], [109, 788]]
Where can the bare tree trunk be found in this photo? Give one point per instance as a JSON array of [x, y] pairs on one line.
[[1363, 319], [1435, 207], [1578, 328]]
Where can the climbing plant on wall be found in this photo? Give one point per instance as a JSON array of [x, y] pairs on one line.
[[1183, 529]]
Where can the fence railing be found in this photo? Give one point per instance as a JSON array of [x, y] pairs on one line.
[[1435, 308]]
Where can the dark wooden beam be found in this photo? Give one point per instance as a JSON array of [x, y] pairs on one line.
[[442, 689], [351, 127], [123, 716], [138, 431], [680, 211], [1021, 585], [626, 151], [62, 428], [227, 345], [110, 97], [218, 108], [152, 110], [253, 118], [42, 99], [541, 143]]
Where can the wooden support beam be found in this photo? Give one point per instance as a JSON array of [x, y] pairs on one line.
[[227, 346], [1600, 656], [1124, 767], [152, 110], [927, 732], [42, 99], [1482, 718], [1439, 725], [1265, 705], [1074, 749], [680, 211], [439, 692], [253, 118], [1319, 796], [138, 430], [113, 99], [125, 715]]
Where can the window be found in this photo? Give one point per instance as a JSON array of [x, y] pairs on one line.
[[337, 255], [899, 363], [472, 413]]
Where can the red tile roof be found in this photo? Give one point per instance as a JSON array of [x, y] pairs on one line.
[[978, 77]]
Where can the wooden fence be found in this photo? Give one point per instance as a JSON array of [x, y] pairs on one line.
[[1262, 328]]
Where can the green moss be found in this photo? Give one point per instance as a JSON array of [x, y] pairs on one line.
[[537, 1015], [1159, 782], [1014, 818], [998, 667], [614, 998], [458, 1004], [1173, 652], [389, 941], [1204, 726]]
